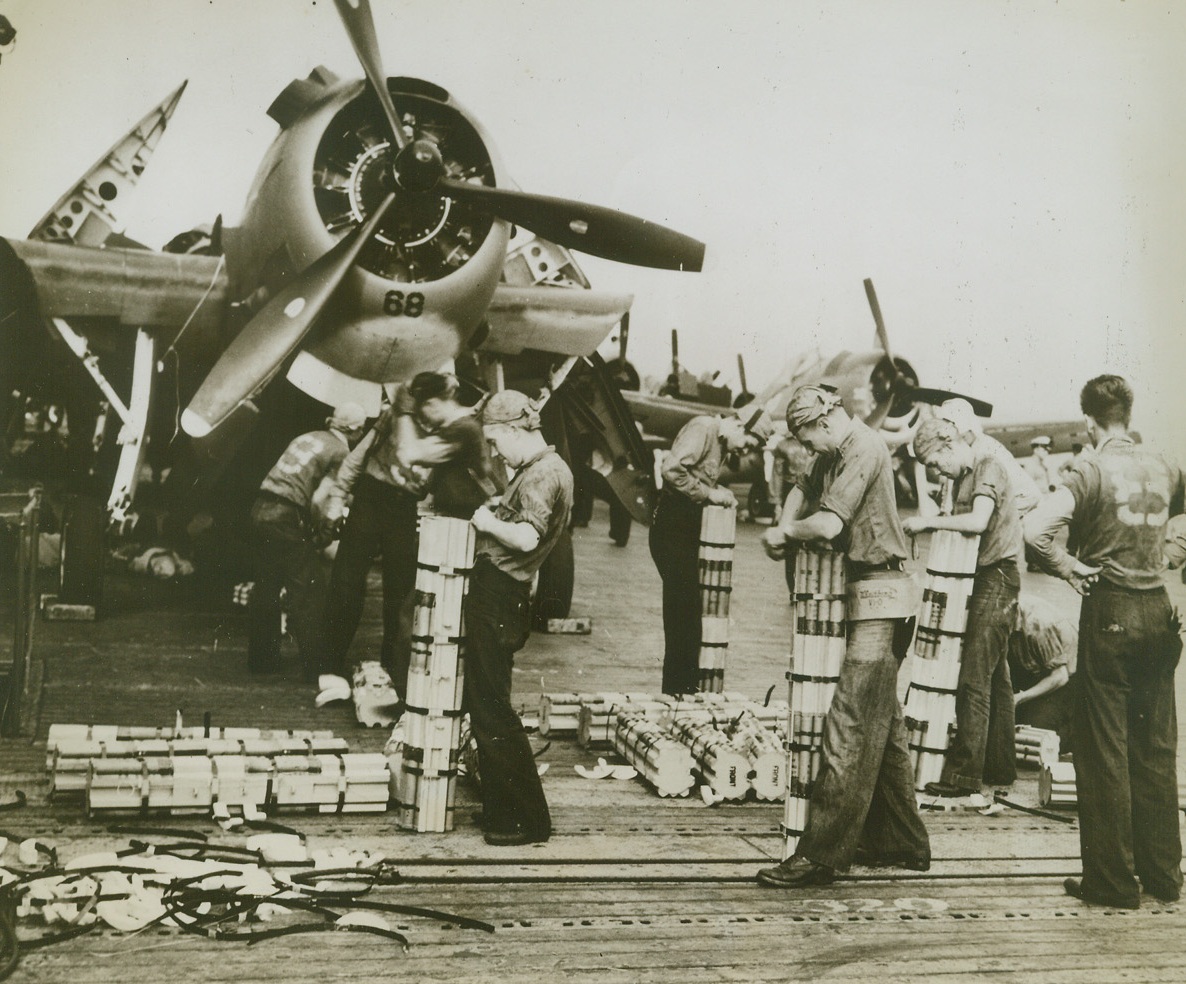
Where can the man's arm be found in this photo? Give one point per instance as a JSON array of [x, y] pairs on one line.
[[821, 525], [976, 521], [1052, 681], [522, 537], [1040, 527], [348, 472]]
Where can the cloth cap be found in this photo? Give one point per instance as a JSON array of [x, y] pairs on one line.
[[348, 416], [810, 403], [511, 407], [1041, 441], [756, 421], [960, 413]]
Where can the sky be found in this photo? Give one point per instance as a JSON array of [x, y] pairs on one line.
[[1011, 175]]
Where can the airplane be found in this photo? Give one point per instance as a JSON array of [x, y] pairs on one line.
[[381, 237], [875, 385]]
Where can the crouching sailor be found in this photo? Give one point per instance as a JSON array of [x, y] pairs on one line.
[[514, 539], [862, 804]]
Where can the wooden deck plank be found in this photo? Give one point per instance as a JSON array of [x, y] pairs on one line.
[[631, 888]]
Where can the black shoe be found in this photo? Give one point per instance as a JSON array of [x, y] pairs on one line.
[[514, 836], [914, 862], [797, 872], [1168, 897], [949, 789], [1074, 888]]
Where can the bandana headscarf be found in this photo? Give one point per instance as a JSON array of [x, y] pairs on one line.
[[513, 408], [809, 404]]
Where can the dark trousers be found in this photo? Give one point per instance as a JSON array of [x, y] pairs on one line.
[[382, 523], [675, 548], [983, 748], [1126, 738], [285, 558], [497, 623], [864, 794]]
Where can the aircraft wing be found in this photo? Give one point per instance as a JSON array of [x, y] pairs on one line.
[[139, 288], [551, 319], [1063, 434]]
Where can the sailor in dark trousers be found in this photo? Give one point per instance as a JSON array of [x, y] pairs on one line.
[[1116, 505], [982, 750], [691, 470], [513, 539], [286, 540], [384, 496], [862, 804]]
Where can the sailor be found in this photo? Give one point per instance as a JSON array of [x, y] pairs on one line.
[[960, 413], [690, 473], [286, 539], [862, 804], [1042, 661], [982, 750], [1040, 466], [384, 495], [1116, 502], [449, 448], [514, 538]]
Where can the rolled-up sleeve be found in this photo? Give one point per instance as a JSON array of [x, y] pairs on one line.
[[1041, 527]]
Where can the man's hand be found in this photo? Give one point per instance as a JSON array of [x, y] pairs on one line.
[[774, 542], [721, 496], [913, 525], [334, 513], [483, 520], [1083, 578]]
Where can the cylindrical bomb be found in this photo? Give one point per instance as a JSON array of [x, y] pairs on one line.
[[930, 699], [715, 562]]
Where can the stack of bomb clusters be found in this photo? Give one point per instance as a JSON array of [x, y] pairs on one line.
[[930, 700], [425, 747], [1056, 786], [660, 758], [729, 741], [198, 770], [734, 759], [817, 653], [718, 534], [597, 713], [559, 715], [1035, 746]]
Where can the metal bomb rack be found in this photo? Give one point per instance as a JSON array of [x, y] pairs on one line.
[[425, 746], [718, 536], [817, 653], [938, 645]]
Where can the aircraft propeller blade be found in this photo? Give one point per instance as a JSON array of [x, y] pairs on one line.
[[360, 27], [268, 339], [882, 334], [592, 229], [923, 394]]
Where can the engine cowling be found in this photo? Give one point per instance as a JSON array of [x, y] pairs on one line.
[[423, 283]]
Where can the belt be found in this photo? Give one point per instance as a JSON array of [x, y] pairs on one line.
[[268, 496], [856, 568], [272, 497]]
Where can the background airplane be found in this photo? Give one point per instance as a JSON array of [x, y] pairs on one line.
[[381, 237]]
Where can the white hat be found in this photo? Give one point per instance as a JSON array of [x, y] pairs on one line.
[[347, 417], [1041, 441], [960, 413]]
